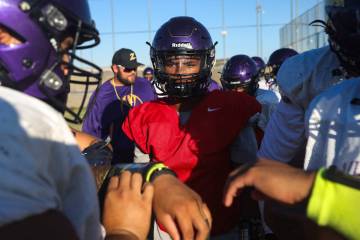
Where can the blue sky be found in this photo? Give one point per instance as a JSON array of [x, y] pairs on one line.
[[132, 16]]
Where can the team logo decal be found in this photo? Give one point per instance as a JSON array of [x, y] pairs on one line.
[[186, 45], [132, 99], [132, 57]]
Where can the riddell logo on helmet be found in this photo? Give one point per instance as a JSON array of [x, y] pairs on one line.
[[182, 45]]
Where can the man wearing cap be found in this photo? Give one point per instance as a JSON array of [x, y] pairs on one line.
[[110, 103], [148, 73]]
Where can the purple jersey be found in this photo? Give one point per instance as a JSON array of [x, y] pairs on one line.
[[213, 86], [106, 113]]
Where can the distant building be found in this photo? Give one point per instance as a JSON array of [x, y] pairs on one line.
[[300, 36]]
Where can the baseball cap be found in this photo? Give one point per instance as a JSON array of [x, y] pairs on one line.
[[125, 58]]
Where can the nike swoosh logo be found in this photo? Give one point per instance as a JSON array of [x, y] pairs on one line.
[[213, 109]]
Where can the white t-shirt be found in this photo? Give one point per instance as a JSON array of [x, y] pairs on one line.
[[300, 78], [333, 128], [41, 167], [268, 100], [263, 85]]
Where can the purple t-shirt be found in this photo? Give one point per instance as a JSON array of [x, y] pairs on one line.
[[106, 113]]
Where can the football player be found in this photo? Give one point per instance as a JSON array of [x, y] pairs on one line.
[[240, 73], [47, 188], [195, 132]]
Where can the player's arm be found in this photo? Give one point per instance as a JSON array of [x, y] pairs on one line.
[[333, 202], [84, 140], [329, 195], [272, 179], [284, 134], [127, 207], [178, 208]]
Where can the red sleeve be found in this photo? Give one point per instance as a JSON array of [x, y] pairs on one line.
[[153, 127], [134, 127]]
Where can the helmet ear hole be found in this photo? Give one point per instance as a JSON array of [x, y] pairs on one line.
[[9, 37]]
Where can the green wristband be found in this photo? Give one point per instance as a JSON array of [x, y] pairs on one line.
[[156, 170]]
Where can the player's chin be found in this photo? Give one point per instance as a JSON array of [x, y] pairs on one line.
[[131, 80]]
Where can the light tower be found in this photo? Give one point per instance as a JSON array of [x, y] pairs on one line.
[[112, 24], [185, 8], [149, 19], [259, 43], [223, 32]]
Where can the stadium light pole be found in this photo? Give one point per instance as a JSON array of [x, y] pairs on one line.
[[297, 21], [149, 19], [223, 32], [261, 32], [112, 24], [258, 29], [291, 22], [185, 7]]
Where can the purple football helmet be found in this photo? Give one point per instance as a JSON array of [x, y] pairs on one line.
[[148, 73], [343, 28], [148, 70], [182, 36], [276, 59], [260, 64], [240, 71], [36, 65]]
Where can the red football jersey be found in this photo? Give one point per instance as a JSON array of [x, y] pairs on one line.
[[198, 151]]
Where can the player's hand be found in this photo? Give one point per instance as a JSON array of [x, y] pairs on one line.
[[271, 179], [127, 209], [180, 210]]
